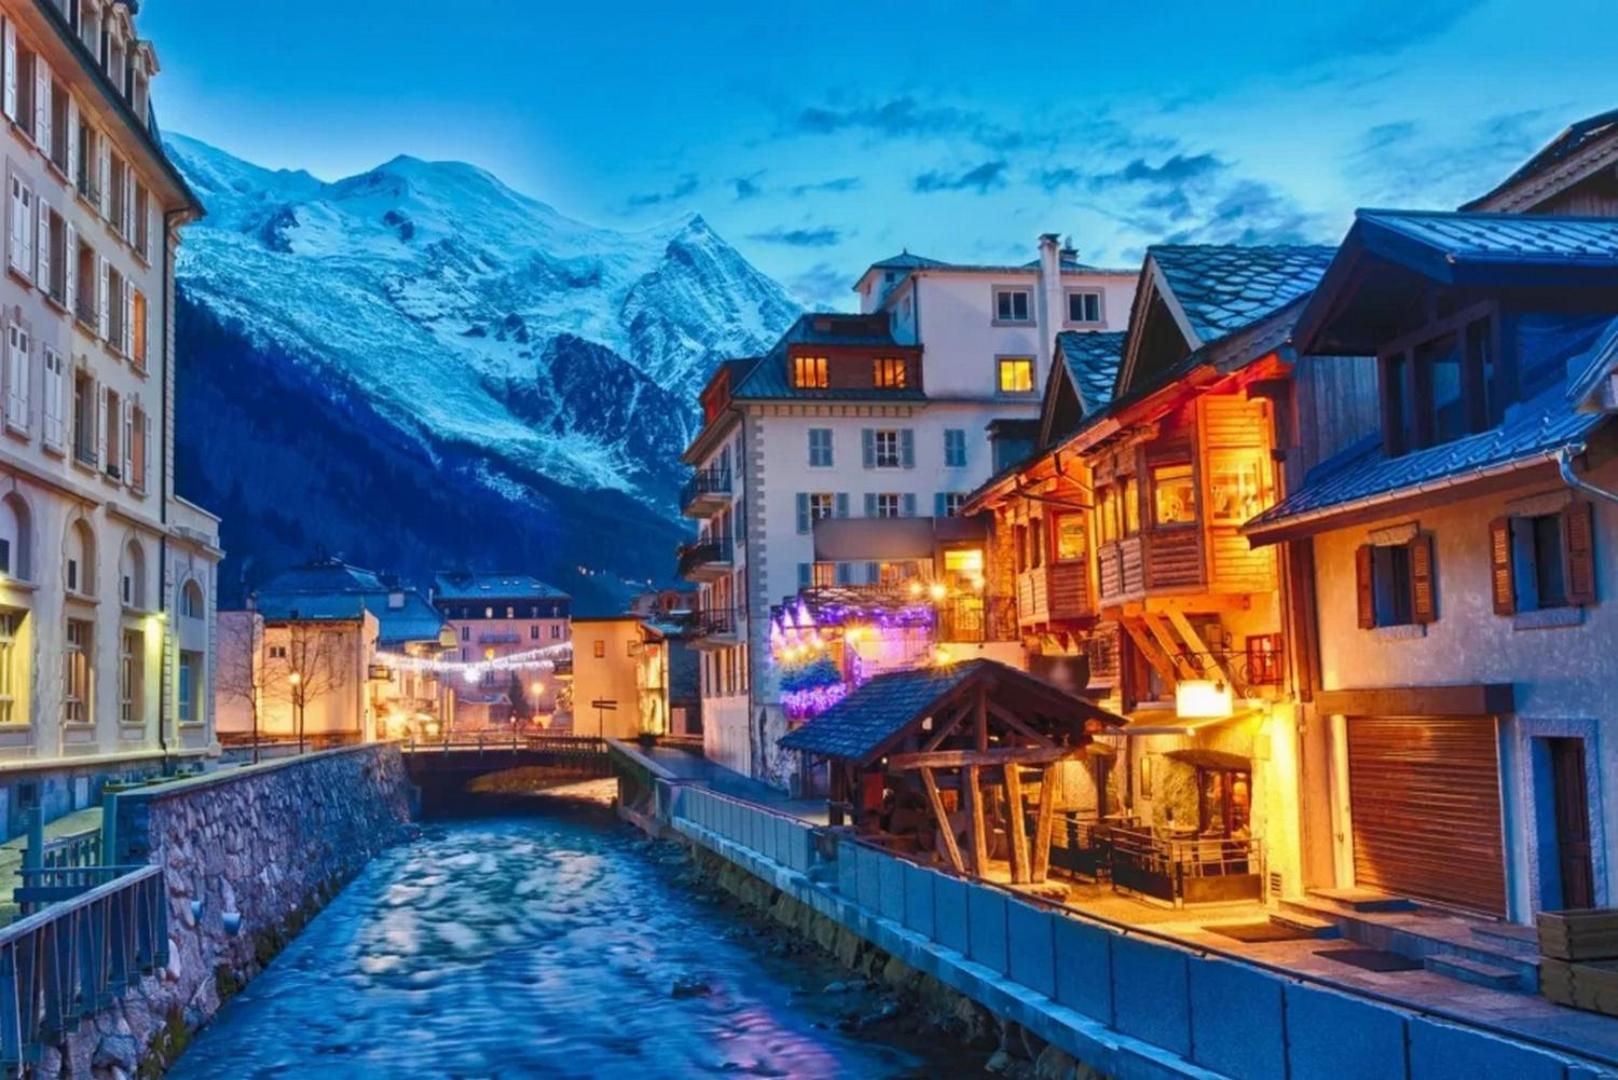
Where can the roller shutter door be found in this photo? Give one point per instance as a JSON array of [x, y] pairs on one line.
[[1424, 796]]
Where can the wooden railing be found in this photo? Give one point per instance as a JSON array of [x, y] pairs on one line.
[[63, 964]]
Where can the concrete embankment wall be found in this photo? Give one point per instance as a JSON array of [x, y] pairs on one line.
[[1126, 1005], [269, 845]]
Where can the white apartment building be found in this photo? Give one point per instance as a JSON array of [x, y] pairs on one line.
[[107, 579], [884, 414]]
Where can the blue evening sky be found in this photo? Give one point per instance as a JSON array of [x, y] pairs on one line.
[[819, 137]]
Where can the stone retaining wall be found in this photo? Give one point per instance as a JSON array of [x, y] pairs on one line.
[[270, 844]]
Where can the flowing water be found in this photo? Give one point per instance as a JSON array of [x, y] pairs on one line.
[[553, 942]]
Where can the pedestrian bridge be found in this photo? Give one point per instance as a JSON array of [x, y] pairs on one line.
[[461, 758]]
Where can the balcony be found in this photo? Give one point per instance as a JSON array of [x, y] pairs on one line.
[[714, 629], [706, 493], [1058, 592], [499, 637], [707, 560]]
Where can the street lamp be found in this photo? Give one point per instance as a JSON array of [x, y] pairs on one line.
[[295, 680]]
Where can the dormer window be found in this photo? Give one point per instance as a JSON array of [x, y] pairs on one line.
[[810, 373], [1442, 384], [1013, 305], [889, 373]]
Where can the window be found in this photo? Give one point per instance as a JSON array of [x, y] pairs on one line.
[[61, 135], [84, 298], [131, 662], [53, 255], [1395, 583], [118, 197], [1070, 546], [24, 224], [17, 373], [277, 652], [889, 373], [9, 621], [117, 321], [820, 455], [1016, 374], [84, 418], [76, 673], [1237, 486], [112, 418], [1036, 543], [954, 448], [822, 504], [1544, 561], [1443, 386], [533, 632], [809, 373], [192, 604], [139, 436], [600, 649], [80, 559], [89, 178], [1224, 801], [556, 631], [887, 449], [190, 679], [466, 633], [1012, 305], [887, 505], [27, 90], [1264, 660], [1083, 306], [1174, 496], [137, 328], [143, 226], [950, 502]]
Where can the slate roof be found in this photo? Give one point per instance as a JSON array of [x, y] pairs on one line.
[[418, 620], [325, 575], [456, 586], [1092, 359], [906, 261], [768, 377], [1225, 287], [1535, 430], [866, 719], [1573, 138], [330, 590], [1535, 240]]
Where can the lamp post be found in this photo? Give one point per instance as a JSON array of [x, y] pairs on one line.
[[295, 680]]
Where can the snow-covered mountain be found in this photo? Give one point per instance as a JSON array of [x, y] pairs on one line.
[[418, 366]]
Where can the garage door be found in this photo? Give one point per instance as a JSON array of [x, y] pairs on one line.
[[1424, 795]]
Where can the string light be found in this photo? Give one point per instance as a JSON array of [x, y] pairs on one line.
[[474, 670]]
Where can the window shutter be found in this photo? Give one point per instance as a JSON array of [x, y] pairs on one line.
[[72, 141], [43, 280], [804, 572], [42, 105], [104, 169], [103, 284], [128, 224], [1363, 588], [909, 504], [1423, 597], [873, 573], [868, 447], [870, 504], [100, 421], [11, 69], [940, 505], [803, 512], [842, 504], [70, 274], [1578, 545], [128, 344], [128, 440], [146, 456], [907, 448], [53, 398], [14, 222], [1502, 580]]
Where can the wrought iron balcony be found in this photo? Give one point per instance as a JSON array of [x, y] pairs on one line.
[[714, 629], [707, 492], [705, 560]]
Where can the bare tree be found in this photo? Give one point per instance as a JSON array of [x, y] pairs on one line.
[[311, 669], [239, 674]]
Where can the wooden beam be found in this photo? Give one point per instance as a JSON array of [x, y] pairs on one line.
[[951, 848], [988, 759], [946, 728], [980, 718], [1017, 725], [1018, 826], [1165, 640], [980, 835], [1200, 647], [1044, 818], [1474, 699], [1154, 656]]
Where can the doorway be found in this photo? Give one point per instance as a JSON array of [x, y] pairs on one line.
[[1570, 811]]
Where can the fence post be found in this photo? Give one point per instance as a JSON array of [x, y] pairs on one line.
[[33, 856], [109, 829]]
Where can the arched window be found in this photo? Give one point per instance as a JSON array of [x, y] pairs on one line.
[[79, 567], [192, 603], [132, 576], [16, 544]]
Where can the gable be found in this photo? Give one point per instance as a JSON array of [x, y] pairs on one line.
[[1062, 410]]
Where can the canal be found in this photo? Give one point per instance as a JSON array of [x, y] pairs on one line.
[[555, 941]]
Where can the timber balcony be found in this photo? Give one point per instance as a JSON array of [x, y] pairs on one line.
[[706, 493], [714, 629], [1180, 560], [706, 560], [1058, 592]]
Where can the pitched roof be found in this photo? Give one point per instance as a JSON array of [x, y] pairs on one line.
[[906, 261], [1574, 138], [417, 620], [324, 575], [1225, 287], [330, 590], [1537, 239], [767, 379], [1533, 431], [864, 721], [1092, 359], [459, 586]]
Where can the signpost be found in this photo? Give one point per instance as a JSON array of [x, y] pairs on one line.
[[601, 705]]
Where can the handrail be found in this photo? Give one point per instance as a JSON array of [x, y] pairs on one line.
[[132, 875]]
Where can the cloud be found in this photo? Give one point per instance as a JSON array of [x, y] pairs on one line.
[[1176, 170], [905, 117], [989, 176], [1406, 163], [1252, 212], [683, 187], [820, 236], [822, 286], [748, 187], [836, 185]]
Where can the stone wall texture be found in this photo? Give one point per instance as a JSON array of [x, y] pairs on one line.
[[271, 844]]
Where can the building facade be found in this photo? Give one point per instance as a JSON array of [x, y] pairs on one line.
[[494, 616], [107, 596], [881, 415], [621, 678]]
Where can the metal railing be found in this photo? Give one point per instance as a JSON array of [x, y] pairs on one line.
[[481, 741], [713, 623], [978, 619], [692, 556], [712, 481], [65, 963]]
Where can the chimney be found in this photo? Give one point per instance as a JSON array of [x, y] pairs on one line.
[[1052, 302]]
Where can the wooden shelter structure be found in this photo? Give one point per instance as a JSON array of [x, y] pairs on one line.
[[953, 761]]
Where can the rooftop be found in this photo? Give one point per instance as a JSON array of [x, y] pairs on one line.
[[767, 377], [330, 590], [1574, 138], [1223, 288], [467, 586], [1092, 359]]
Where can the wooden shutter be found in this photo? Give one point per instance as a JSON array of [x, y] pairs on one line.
[[1363, 588], [870, 505], [842, 504], [1578, 547], [42, 105], [128, 440], [908, 504], [70, 272], [104, 168], [1423, 595], [940, 507], [1503, 582], [805, 574], [868, 447], [103, 285], [146, 453], [43, 243], [14, 221], [907, 448], [53, 398], [803, 512], [11, 69], [127, 345], [72, 141]]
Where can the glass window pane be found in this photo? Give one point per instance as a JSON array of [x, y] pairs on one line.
[[1174, 495], [1236, 487], [1069, 538]]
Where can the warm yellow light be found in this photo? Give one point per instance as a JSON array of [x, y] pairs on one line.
[[943, 657], [937, 591], [539, 688], [1201, 699], [915, 588], [294, 678]]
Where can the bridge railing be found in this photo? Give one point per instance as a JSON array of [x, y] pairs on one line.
[[68, 961], [573, 745], [779, 836]]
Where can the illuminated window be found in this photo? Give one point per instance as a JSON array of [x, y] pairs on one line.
[[1236, 487], [8, 640], [809, 373], [76, 673], [1174, 495], [1016, 374], [1012, 305], [1070, 538], [888, 373], [600, 649], [130, 690], [1107, 513]]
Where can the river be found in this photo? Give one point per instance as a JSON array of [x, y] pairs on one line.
[[548, 942]]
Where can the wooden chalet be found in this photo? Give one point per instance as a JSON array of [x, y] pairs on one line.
[[953, 762]]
